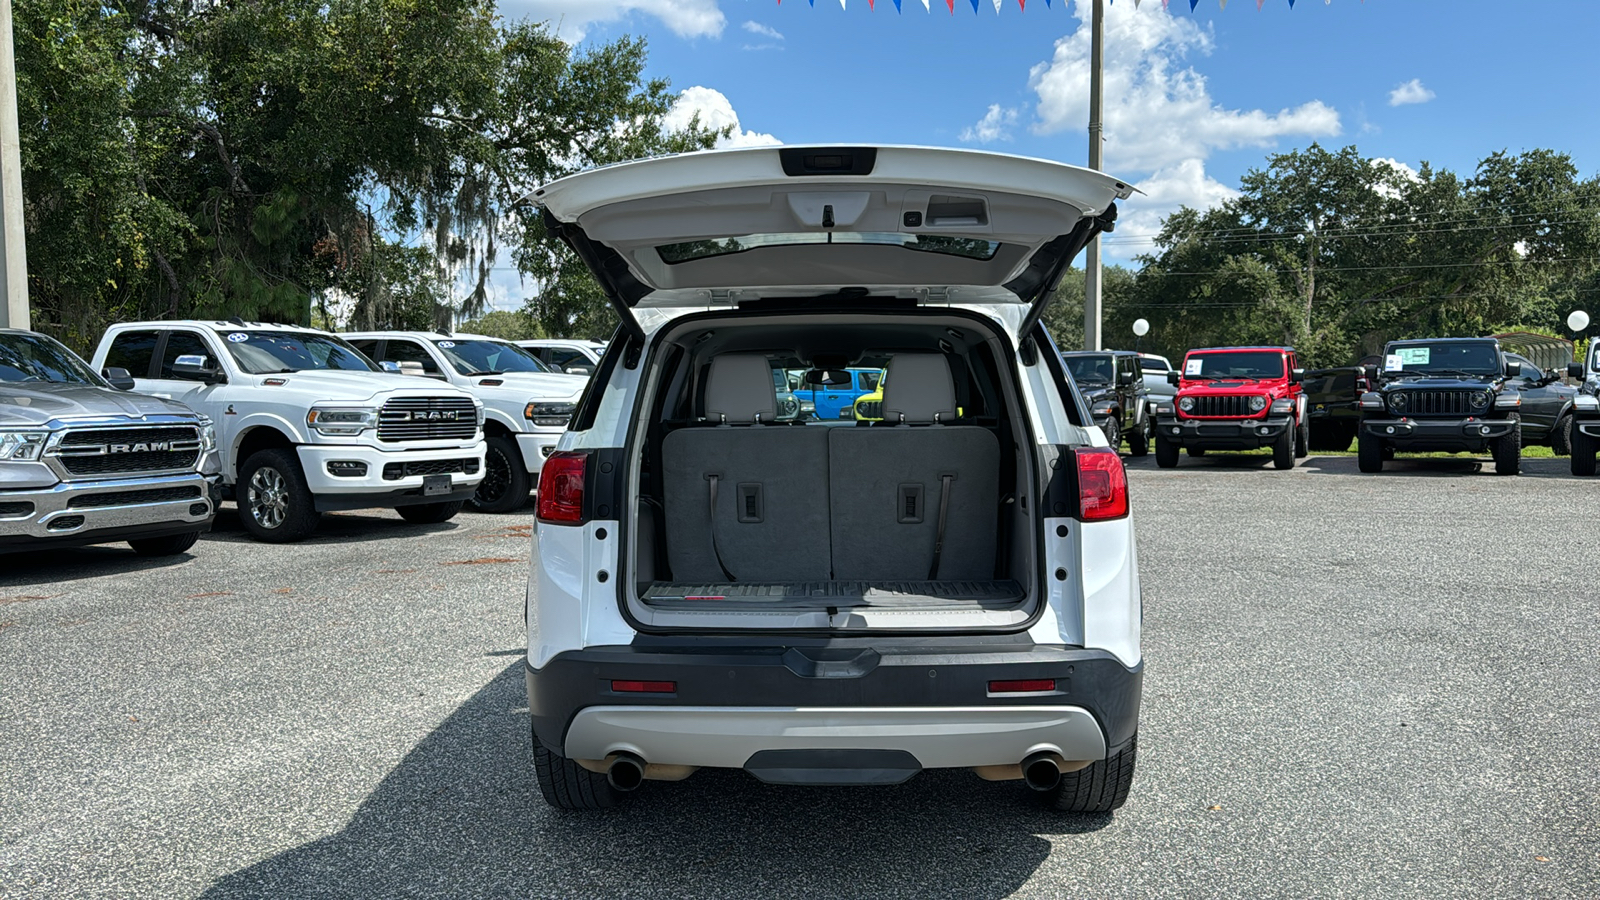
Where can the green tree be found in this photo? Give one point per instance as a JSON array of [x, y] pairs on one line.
[[507, 324]]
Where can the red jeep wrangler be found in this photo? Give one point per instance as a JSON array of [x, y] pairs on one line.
[[1235, 398]]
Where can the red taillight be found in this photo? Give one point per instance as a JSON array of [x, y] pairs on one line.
[[561, 486], [645, 687], [1102, 485], [1024, 686]]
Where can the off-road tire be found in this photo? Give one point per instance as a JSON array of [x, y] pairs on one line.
[[430, 513], [1369, 452], [277, 507], [506, 481], [1098, 787], [1561, 436], [567, 785], [1166, 453], [1113, 433], [1584, 449], [1139, 439], [1508, 452], [1283, 448], [171, 545], [1302, 440]]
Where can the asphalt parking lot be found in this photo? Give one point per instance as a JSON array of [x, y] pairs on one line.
[[1357, 686]]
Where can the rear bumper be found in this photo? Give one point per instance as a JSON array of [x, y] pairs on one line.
[[1223, 434], [75, 514], [732, 702], [1423, 435]]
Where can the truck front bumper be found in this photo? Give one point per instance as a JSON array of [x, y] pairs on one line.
[[819, 707], [1222, 434], [535, 448], [388, 478], [78, 513], [1447, 435]]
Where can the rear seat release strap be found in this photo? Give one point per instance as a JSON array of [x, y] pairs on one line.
[[944, 510], [718, 553]]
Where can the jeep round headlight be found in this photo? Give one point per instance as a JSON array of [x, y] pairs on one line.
[[1397, 400], [1257, 404], [1480, 399], [1186, 404]]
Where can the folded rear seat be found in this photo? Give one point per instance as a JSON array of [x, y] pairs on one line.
[[770, 522], [890, 484]]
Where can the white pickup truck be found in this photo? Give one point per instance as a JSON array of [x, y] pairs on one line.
[[306, 424], [526, 405]]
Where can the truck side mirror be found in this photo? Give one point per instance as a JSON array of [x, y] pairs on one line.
[[195, 367], [119, 378], [1575, 370], [1372, 375], [1297, 376], [1513, 368], [1172, 378], [585, 371]]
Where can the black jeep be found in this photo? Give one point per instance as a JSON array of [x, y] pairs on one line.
[[1113, 385], [1442, 394]]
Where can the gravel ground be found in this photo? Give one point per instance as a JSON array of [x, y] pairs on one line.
[[1357, 686]]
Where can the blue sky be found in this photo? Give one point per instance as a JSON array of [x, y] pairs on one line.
[[1193, 100]]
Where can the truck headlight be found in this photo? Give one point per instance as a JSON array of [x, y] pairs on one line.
[[555, 415], [1257, 404], [1186, 404], [1480, 399], [345, 421], [208, 435], [22, 445], [1398, 401]]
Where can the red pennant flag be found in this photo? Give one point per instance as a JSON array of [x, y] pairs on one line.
[[952, 5]]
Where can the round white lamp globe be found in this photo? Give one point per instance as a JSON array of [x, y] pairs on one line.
[[1142, 328], [1578, 321]]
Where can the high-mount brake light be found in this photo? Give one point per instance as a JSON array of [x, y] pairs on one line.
[[1022, 686], [1102, 484], [644, 687], [561, 487]]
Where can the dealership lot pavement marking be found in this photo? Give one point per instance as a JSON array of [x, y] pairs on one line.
[[1356, 686]]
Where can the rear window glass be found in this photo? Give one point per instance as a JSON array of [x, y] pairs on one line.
[[926, 243]]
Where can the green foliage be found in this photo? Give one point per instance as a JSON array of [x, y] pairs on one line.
[[510, 325], [276, 158]]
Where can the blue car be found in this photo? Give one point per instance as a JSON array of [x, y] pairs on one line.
[[837, 401]]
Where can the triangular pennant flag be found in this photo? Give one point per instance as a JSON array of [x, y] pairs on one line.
[[974, 7], [952, 5], [997, 6], [1258, 4], [1022, 5], [897, 5], [842, 6], [1164, 3], [926, 7], [1291, 4], [1193, 4], [1223, 3]]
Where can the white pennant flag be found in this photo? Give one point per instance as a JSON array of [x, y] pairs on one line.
[[1135, 4], [926, 7], [997, 7], [841, 5], [1224, 3]]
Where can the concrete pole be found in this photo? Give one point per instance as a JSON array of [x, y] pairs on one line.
[[13, 257], [1091, 264]]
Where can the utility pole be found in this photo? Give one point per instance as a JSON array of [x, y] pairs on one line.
[[1091, 265], [13, 258]]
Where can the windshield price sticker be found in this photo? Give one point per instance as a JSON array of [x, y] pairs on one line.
[[1192, 366], [1414, 356], [238, 337], [1392, 363]]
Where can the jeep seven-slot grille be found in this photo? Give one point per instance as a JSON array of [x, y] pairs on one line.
[[870, 409], [1437, 403], [102, 452], [427, 419], [1235, 406]]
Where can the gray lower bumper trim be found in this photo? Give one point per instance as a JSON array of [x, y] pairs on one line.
[[938, 737]]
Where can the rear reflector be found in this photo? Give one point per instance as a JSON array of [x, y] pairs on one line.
[[1027, 686], [561, 487], [1102, 484], [644, 687]]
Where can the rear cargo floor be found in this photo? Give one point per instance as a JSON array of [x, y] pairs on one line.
[[839, 594]]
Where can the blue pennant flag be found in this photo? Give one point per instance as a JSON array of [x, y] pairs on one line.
[[974, 7], [897, 5], [1193, 4]]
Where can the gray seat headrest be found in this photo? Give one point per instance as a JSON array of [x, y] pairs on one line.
[[739, 390], [918, 390]]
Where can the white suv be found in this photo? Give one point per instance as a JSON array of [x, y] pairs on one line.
[[526, 405], [842, 601], [305, 424], [577, 357]]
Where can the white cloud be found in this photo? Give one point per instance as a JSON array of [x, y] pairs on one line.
[[1158, 109], [715, 112], [1162, 194], [1410, 92], [995, 125], [572, 18], [763, 30], [1400, 168]]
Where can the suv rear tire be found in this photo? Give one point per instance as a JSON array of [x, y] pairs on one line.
[[171, 545], [1139, 439], [1167, 453], [275, 505], [1302, 439], [430, 513], [1099, 787], [1369, 453], [506, 481], [567, 785], [1283, 449], [1508, 452], [1561, 436], [1584, 448]]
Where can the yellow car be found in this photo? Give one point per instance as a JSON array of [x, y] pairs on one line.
[[869, 407]]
